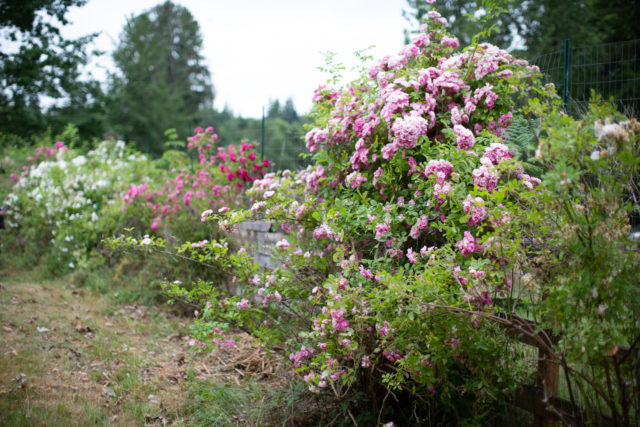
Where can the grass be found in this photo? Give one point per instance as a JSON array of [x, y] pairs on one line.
[[215, 404], [252, 403], [90, 355]]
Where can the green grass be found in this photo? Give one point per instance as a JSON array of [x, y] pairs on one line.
[[222, 405], [132, 350]]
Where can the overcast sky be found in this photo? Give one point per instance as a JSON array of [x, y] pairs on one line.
[[259, 50]]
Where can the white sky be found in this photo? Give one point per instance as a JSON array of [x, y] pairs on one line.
[[259, 50]]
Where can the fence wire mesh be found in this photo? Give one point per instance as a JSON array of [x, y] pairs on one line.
[[285, 152], [282, 148], [609, 69]]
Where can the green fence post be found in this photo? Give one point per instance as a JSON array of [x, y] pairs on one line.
[[567, 66], [148, 142], [190, 151], [262, 137]]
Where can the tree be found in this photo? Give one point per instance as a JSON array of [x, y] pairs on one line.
[[551, 22], [85, 108], [617, 20], [541, 25], [274, 109], [163, 82], [42, 63], [289, 112]]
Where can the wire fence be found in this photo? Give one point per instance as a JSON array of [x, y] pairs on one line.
[[609, 69], [283, 147], [285, 151], [277, 140]]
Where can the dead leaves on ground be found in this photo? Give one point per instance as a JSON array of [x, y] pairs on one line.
[[65, 329]]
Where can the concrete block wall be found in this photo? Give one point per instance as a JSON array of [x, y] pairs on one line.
[[261, 240]]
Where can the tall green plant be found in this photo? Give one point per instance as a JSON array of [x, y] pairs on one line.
[[586, 273]]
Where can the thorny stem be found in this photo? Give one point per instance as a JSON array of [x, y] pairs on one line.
[[565, 369]]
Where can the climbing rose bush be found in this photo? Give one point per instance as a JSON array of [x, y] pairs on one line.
[[410, 214]]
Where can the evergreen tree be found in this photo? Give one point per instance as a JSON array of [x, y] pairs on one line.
[[163, 82], [552, 22], [617, 20], [289, 112], [274, 109]]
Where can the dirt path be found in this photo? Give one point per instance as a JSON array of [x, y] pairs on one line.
[[68, 357]]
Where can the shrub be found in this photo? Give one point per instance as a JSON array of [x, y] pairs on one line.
[[583, 271], [408, 216], [417, 229], [174, 208], [63, 202]]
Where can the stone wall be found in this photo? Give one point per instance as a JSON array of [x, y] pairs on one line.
[[261, 240]]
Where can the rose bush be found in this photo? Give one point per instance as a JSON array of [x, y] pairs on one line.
[[417, 232], [65, 201], [411, 212], [173, 208]]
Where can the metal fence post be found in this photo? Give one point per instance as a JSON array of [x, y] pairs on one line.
[[567, 66], [262, 137], [148, 142], [190, 151]]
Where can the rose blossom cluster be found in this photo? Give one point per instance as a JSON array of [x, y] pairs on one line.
[[39, 154], [221, 173]]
